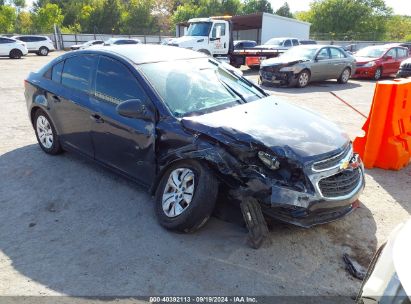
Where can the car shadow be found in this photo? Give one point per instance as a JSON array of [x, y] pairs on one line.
[[71, 227]]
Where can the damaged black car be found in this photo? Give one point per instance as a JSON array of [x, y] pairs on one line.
[[187, 126]]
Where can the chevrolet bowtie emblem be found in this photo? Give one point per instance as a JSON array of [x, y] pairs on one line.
[[345, 165]]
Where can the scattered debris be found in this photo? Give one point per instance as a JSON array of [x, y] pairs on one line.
[[355, 269], [256, 224]]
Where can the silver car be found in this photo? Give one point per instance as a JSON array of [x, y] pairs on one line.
[[302, 64]]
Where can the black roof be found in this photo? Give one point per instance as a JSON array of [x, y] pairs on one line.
[[146, 53]]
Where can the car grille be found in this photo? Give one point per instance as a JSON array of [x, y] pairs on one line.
[[333, 161], [340, 184], [406, 66], [272, 68]]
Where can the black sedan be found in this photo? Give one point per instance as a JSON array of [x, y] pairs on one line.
[[186, 127]]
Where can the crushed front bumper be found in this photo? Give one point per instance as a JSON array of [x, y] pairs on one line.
[[336, 192], [281, 78]]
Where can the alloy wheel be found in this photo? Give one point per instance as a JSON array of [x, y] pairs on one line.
[[345, 76], [178, 192], [303, 79]]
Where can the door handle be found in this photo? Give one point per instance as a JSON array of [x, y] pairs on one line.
[[55, 98], [97, 118]]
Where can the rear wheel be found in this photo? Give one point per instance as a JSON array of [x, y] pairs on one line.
[[46, 133], [15, 54], [303, 79], [43, 51], [186, 196], [345, 76]]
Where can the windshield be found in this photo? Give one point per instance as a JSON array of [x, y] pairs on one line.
[[372, 52], [198, 86], [199, 29], [274, 41], [300, 52]]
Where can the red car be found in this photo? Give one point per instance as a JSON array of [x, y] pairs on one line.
[[378, 61]]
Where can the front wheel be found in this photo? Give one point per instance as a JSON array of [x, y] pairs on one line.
[[345, 76], [186, 196], [303, 79], [46, 133], [43, 51], [378, 74]]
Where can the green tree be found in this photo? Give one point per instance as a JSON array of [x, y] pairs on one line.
[[349, 19], [24, 23], [398, 27], [284, 11], [257, 6], [137, 17], [45, 18], [7, 18], [105, 17]]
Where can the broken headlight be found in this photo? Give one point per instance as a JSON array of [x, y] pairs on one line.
[[270, 161]]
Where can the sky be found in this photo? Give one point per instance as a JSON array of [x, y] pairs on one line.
[[401, 7]]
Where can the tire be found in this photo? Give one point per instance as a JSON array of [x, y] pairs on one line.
[[15, 54], [195, 210], [43, 51], [378, 74], [303, 78], [345, 76], [46, 133]]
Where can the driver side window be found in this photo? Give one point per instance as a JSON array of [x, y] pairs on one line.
[[323, 54], [392, 53], [218, 28], [287, 43]]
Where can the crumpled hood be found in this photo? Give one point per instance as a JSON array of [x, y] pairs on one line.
[[281, 60], [271, 123], [185, 39]]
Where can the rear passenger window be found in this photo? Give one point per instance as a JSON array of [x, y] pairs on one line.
[[77, 72], [115, 83], [336, 53], [295, 42], [402, 53], [57, 72]]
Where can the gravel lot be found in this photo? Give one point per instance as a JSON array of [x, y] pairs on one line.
[[69, 227]]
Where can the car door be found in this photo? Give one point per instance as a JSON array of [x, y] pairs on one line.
[[219, 38], [126, 144], [389, 63], [72, 104], [4, 46], [338, 62], [320, 68]]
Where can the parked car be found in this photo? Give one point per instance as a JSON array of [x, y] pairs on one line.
[[304, 42], [302, 64], [184, 125], [405, 69], [244, 44], [118, 41], [40, 45], [279, 44], [378, 61], [388, 279], [407, 45], [86, 44], [12, 48], [351, 48]]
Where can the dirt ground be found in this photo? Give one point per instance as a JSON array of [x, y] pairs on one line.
[[69, 227]]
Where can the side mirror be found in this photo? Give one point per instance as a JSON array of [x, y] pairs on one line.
[[388, 57], [135, 108]]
